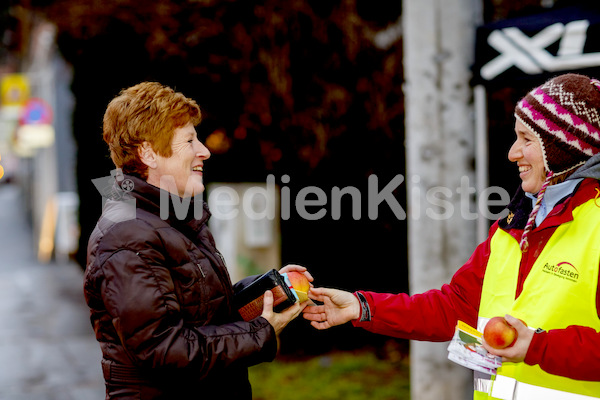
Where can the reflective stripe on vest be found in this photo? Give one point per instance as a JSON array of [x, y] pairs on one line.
[[559, 291]]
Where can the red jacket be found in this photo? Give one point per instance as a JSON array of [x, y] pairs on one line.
[[573, 352]]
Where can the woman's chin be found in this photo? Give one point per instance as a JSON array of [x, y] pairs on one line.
[[529, 188], [198, 188]]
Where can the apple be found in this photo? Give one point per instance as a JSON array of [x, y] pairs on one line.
[[300, 284], [499, 334]]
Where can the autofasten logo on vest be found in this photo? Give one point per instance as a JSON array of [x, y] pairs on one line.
[[563, 270]]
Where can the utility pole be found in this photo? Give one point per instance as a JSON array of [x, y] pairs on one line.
[[439, 37]]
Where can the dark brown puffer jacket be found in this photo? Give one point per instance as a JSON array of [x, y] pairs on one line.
[[160, 299]]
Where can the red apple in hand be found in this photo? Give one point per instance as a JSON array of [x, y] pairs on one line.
[[499, 334], [300, 284]]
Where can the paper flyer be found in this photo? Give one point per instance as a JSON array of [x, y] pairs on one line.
[[465, 349]]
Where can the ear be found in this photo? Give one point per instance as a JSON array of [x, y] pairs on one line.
[[147, 155]]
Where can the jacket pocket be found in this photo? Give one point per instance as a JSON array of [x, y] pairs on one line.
[[189, 280]]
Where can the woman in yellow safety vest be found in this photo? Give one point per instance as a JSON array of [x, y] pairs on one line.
[[539, 264]]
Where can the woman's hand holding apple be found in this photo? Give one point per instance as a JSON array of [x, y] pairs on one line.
[[516, 351], [300, 279], [296, 268]]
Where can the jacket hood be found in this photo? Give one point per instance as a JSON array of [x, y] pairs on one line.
[[591, 169]]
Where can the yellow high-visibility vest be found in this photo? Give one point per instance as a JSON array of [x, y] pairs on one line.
[[559, 291]]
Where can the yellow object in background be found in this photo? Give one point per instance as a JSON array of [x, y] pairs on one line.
[[47, 231], [14, 90], [1, 169]]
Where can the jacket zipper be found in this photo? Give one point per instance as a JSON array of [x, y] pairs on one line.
[[211, 256], [221, 257], [201, 270]]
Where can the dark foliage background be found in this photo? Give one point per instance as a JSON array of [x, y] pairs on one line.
[[296, 88]]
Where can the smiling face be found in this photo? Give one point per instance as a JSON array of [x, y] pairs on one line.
[[526, 151], [181, 173]]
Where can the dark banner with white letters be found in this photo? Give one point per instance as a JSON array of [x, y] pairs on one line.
[[538, 46]]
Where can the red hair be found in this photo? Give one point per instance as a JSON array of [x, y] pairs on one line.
[[147, 112]]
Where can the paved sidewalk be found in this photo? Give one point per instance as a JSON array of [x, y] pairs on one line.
[[47, 346]]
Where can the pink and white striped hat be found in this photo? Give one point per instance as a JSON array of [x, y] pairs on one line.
[[564, 115]]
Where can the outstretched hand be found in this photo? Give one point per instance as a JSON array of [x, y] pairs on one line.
[[338, 308], [516, 352]]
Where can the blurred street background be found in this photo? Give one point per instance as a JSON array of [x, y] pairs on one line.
[[47, 346], [377, 115]]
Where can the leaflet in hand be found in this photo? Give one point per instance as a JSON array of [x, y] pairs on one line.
[[465, 349]]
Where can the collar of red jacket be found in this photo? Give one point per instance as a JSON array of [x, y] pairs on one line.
[[520, 208]]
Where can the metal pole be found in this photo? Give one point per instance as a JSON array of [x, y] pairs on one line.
[[481, 155]]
